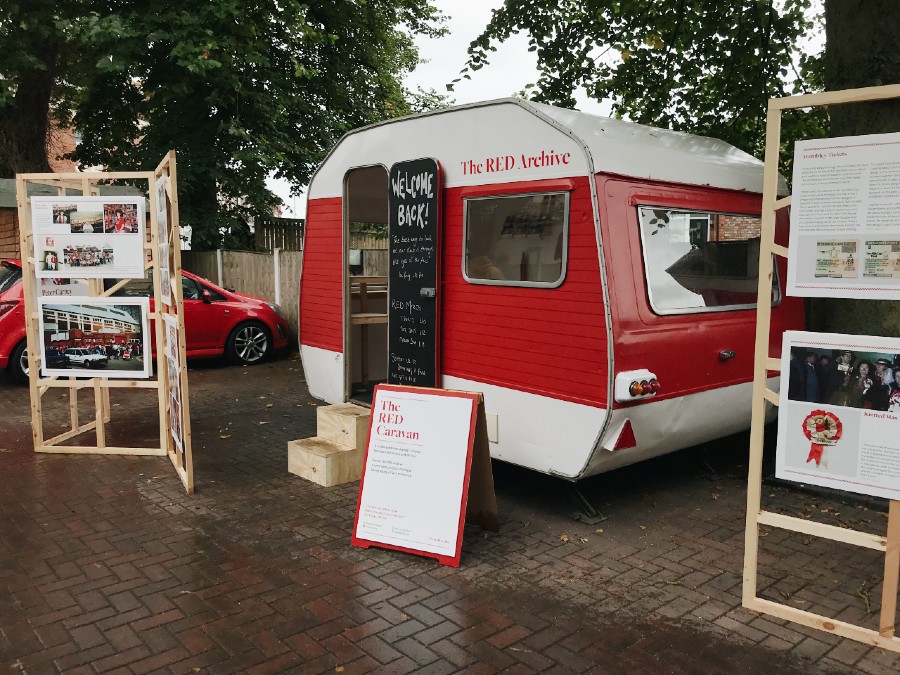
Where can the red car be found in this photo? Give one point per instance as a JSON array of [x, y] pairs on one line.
[[216, 321]]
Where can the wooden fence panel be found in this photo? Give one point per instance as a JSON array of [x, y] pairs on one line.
[[201, 263], [368, 241], [375, 262], [248, 272], [290, 289], [283, 233]]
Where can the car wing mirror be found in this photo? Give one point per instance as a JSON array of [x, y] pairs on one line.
[[206, 296]]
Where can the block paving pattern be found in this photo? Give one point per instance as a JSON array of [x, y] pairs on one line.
[[106, 565]]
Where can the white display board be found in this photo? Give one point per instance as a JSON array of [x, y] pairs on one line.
[[95, 337], [845, 218], [162, 218], [173, 365], [839, 413], [89, 237], [413, 489]]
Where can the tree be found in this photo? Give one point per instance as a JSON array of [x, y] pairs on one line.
[[239, 89], [860, 51], [709, 68], [699, 66]]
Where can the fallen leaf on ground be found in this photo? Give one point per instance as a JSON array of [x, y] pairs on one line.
[[564, 537], [225, 436]]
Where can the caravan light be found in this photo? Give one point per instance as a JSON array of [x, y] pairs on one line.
[[635, 385]]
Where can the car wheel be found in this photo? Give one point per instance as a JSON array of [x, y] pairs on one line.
[[18, 363], [248, 343]]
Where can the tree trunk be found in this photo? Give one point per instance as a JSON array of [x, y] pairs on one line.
[[25, 123], [860, 51], [25, 126]]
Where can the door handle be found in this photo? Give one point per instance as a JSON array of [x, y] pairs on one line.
[[726, 354]]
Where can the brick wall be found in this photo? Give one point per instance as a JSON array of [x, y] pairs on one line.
[[9, 233], [61, 142], [733, 227]]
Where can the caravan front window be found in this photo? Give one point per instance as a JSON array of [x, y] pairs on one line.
[[700, 261], [517, 240]]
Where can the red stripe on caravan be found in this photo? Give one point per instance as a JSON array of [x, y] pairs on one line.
[[551, 342], [321, 302]]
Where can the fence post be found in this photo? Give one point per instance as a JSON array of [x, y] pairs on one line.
[[276, 253], [219, 273]]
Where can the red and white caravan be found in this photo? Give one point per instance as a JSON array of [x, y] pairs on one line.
[[596, 279]]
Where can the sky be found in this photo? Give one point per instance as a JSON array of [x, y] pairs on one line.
[[511, 67]]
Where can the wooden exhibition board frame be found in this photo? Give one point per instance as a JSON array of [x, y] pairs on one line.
[[87, 184], [885, 636]]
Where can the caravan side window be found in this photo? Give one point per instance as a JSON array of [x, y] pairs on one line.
[[516, 240], [699, 261]]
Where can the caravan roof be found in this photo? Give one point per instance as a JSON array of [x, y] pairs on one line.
[[609, 146]]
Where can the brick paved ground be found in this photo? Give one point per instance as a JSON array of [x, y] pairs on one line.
[[106, 565]]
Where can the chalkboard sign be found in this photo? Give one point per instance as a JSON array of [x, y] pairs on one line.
[[415, 219]]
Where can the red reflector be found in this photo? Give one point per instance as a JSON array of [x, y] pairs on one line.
[[626, 438], [655, 386]]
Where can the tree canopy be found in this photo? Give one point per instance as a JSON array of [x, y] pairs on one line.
[[709, 67], [700, 66], [239, 89]]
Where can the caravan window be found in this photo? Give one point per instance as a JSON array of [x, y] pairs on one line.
[[700, 261], [517, 240]]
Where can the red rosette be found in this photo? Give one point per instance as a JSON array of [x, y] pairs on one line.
[[822, 428]]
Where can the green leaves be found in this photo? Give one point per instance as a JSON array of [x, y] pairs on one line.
[[237, 88], [699, 66]]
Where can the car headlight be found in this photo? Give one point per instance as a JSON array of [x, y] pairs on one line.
[[277, 309]]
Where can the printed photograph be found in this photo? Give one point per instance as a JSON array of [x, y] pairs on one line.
[[50, 262], [851, 379], [174, 398], [837, 259], [62, 213], [86, 255], [86, 221], [120, 218], [105, 337]]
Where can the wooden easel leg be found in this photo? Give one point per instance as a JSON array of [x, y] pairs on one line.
[[98, 413], [73, 407], [891, 572]]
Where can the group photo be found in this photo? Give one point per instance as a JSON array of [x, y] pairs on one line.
[[845, 378]]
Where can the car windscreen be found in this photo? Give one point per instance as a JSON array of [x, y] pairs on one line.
[[9, 275]]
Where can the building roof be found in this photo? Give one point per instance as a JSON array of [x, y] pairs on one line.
[[8, 191]]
